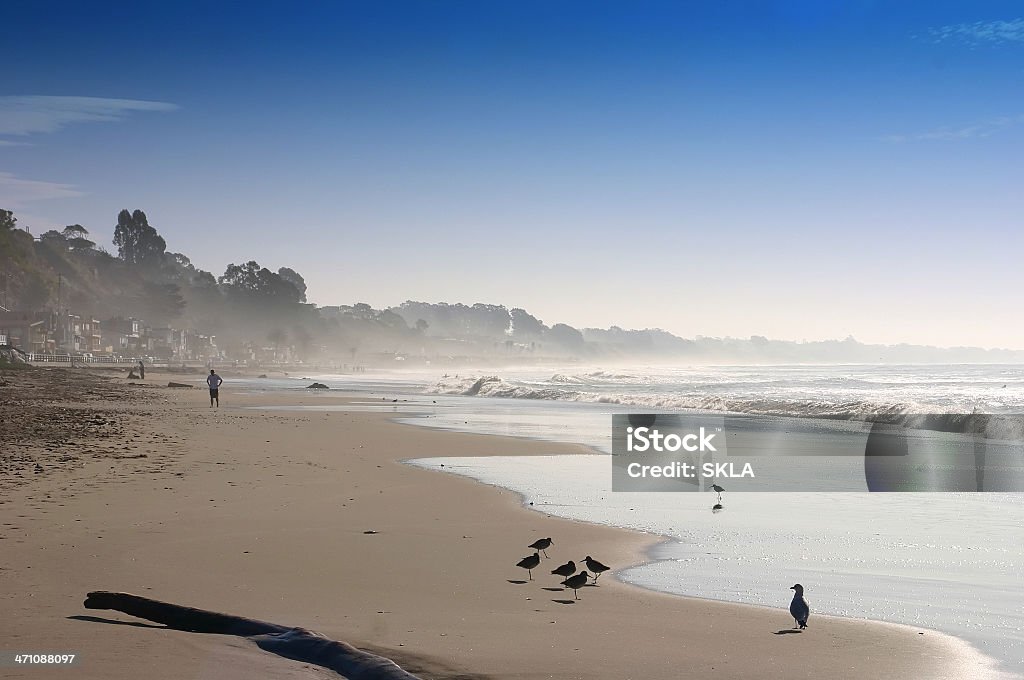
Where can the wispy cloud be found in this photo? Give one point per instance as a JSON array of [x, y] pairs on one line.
[[982, 129], [980, 32], [16, 192], [28, 115]]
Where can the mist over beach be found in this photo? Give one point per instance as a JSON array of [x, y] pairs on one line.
[[440, 341]]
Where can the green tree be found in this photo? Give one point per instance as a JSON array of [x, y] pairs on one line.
[[53, 236], [294, 278], [204, 280], [526, 325], [15, 244], [241, 278], [566, 336], [361, 310], [7, 220], [76, 236], [137, 242], [250, 280]]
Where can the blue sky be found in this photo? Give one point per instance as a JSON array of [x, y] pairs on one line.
[[791, 169]]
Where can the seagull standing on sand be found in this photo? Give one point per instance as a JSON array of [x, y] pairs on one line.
[[529, 563], [567, 569], [596, 567], [798, 607], [576, 582], [541, 544]]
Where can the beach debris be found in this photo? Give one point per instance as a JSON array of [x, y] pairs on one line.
[[12, 355], [178, 384], [541, 544], [576, 582], [596, 567], [317, 386], [529, 563], [798, 607], [370, 531], [567, 569], [297, 644]]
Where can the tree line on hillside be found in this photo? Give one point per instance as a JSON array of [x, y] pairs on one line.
[[249, 303], [66, 270], [252, 305]]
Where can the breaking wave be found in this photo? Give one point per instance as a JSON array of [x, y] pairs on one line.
[[562, 387]]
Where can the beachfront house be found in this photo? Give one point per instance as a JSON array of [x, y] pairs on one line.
[[76, 334], [168, 343], [199, 346], [28, 331], [92, 335], [122, 336]]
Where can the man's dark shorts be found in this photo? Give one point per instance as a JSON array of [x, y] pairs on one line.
[[214, 394]]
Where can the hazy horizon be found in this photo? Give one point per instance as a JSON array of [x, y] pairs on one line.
[[783, 169]]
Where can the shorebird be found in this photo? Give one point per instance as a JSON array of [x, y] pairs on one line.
[[541, 544], [576, 582], [529, 563], [718, 489], [798, 607], [596, 567], [567, 569]]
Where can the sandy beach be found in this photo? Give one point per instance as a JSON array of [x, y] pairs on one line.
[[269, 514]]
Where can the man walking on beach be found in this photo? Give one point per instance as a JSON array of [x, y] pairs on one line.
[[214, 381]]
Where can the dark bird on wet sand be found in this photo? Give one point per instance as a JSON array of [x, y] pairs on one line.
[[717, 488], [798, 607], [541, 544], [596, 567], [567, 569], [576, 582], [529, 563]]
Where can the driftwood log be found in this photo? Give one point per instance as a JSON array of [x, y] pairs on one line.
[[293, 643]]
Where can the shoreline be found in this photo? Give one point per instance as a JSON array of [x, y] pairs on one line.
[[241, 514], [989, 666], [982, 665]]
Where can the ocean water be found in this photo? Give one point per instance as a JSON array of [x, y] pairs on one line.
[[952, 562], [845, 390]]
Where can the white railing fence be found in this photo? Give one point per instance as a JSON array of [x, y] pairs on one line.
[[46, 358]]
